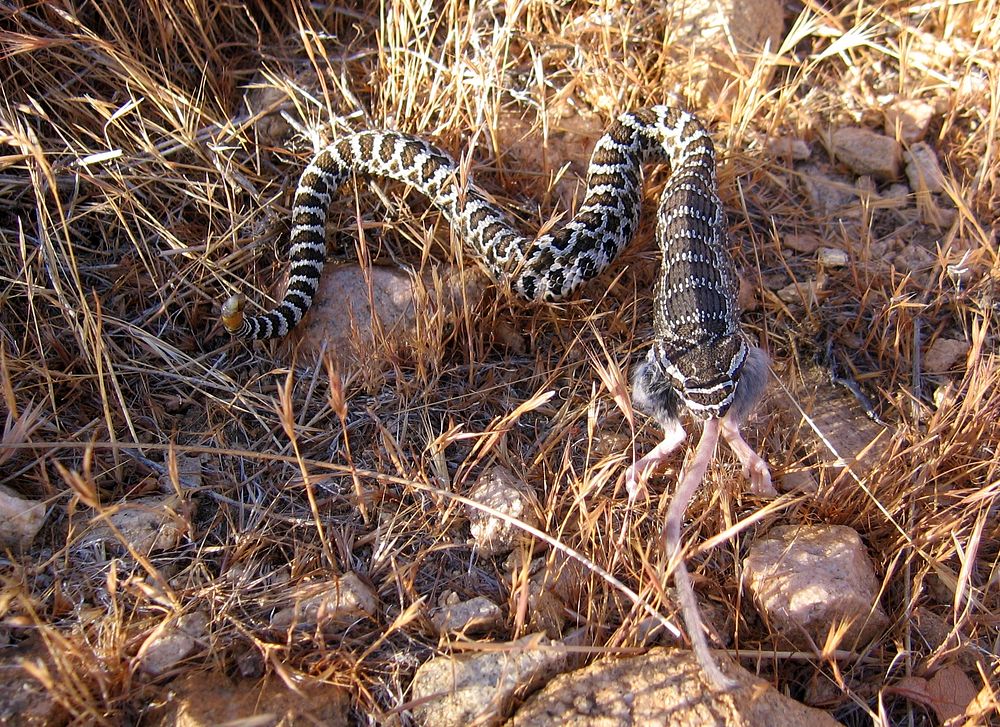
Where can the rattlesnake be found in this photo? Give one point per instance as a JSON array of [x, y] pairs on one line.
[[700, 359]]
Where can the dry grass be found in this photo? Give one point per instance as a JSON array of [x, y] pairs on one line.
[[147, 174]]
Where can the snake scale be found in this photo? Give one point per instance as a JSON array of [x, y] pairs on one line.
[[700, 360]]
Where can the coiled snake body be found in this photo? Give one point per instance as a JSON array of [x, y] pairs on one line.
[[700, 359]]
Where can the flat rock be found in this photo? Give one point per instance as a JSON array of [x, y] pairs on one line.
[[866, 152], [499, 489], [805, 242], [662, 687], [329, 606], [357, 307], [832, 257], [200, 699], [944, 353], [835, 420], [175, 641], [707, 23], [454, 691], [922, 169], [828, 194], [789, 148], [476, 615], [805, 580], [20, 519], [907, 119], [24, 701], [146, 525]]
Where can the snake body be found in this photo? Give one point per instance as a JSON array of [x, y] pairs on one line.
[[698, 353]]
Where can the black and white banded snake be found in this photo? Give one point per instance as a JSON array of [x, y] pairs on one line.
[[700, 360]]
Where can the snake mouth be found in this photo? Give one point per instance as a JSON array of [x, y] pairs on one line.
[[706, 375]]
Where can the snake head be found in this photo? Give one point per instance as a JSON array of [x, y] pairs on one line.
[[708, 379], [232, 313]]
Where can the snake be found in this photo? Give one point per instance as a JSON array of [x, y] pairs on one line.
[[700, 361], [699, 354]]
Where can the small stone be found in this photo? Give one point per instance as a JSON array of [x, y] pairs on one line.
[[172, 643], [907, 119], [455, 691], [802, 243], [555, 582], [356, 306], [896, 191], [913, 259], [24, 700], [923, 170], [500, 490], [786, 147], [865, 152], [805, 293], [188, 473], [944, 353], [146, 525], [832, 257], [661, 687], [747, 298], [799, 481], [208, 699], [808, 579], [828, 194], [949, 693], [328, 606], [20, 519], [477, 615]]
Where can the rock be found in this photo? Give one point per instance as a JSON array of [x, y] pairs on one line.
[[707, 24], [865, 152], [832, 257], [661, 687], [20, 520], [828, 193], [24, 701], [807, 243], [188, 469], [914, 259], [857, 441], [799, 481], [898, 192], [907, 119], [747, 299], [356, 307], [200, 699], [477, 615], [949, 693], [807, 579], [788, 148], [328, 606], [454, 691], [922, 169], [146, 525], [172, 642], [500, 490], [944, 353], [554, 583], [806, 293]]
